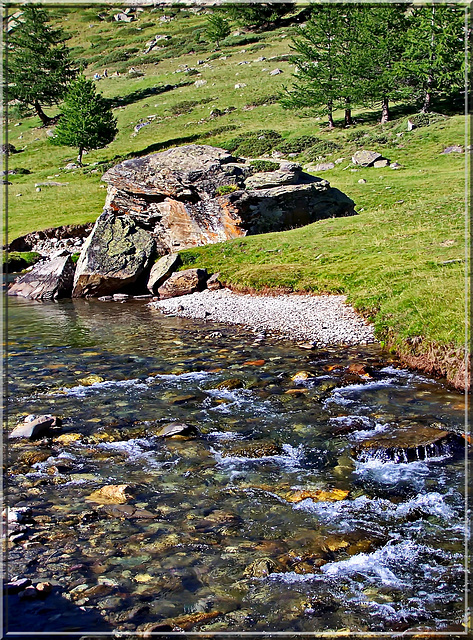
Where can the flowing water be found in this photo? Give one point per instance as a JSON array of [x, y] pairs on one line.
[[219, 535]]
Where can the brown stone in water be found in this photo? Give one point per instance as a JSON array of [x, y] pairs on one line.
[[111, 494], [35, 428], [256, 449], [409, 443]]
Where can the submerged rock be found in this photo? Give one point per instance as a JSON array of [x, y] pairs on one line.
[[258, 449], [261, 568], [111, 494], [175, 429]]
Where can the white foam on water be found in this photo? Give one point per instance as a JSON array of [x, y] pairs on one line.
[[390, 473], [429, 503], [243, 400], [135, 448], [291, 459], [177, 377], [81, 391], [379, 566], [225, 435]]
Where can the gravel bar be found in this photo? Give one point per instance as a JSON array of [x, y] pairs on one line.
[[321, 320]]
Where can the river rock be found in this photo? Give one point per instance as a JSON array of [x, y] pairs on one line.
[[256, 449], [161, 271], [111, 494], [365, 158], [114, 255], [183, 283], [261, 568], [36, 427], [408, 443], [176, 196], [49, 280], [174, 429]]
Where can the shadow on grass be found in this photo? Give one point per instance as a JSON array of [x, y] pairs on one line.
[[142, 94]]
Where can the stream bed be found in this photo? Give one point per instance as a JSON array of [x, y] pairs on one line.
[[265, 519]]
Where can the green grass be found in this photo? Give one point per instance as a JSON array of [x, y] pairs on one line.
[[393, 260]]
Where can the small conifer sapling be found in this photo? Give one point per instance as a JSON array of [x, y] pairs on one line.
[[87, 121]]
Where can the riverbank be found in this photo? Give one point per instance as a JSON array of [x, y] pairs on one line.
[[318, 320]]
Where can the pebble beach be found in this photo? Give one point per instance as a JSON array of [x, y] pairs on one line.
[[320, 320]]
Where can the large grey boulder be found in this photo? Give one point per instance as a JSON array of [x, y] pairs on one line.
[[114, 255], [197, 194], [48, 280]]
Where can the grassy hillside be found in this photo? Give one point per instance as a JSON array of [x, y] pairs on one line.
[[400, 261]]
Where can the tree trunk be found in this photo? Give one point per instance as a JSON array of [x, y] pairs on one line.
[[385, 110], [79, 157], [46, 120], [427, 99], [348, 118], [330, 116]]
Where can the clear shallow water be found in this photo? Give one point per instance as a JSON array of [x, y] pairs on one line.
[[387, 557]]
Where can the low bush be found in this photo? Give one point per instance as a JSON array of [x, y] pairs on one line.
[[226, 188], [319, 150], [186, 106], [297, 145], [269, 99], [255, 143], [238, 41], [262, 166]]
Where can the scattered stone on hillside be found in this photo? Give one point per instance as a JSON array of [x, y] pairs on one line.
[[365, 158], [453, 149], [161, 271], [122, 17], [114, 255], [135, 73], [380, 164], [362, 181], [200, 83], [154, 41], [408, 443], [323, 166], [35, 427], [275, 72], [51, 183], [395, 165], [183, 283], [70, 237], [240, 85], [7, 149], [70, 166], [48, 280]]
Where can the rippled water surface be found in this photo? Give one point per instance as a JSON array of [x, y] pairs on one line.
[[219, 536]]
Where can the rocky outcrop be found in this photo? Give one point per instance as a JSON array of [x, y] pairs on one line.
[[70, 237], [115, 254], [48, 280], [197, 194]]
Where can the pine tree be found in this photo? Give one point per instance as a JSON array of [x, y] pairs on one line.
[[87, 121], [434, 58], [323, 77], [381, 40], [38, 63], [217, 28], [257, 15]]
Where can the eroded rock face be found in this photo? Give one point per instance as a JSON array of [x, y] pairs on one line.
[[114, 255], [46, 281], [161, 271], [196, 194]]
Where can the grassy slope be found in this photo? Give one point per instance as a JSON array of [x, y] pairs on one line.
[[388, 260]]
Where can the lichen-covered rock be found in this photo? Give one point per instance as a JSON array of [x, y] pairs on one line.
[[114, 255], [183, 283], [197, 194], [48, 280], [161, 271]]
